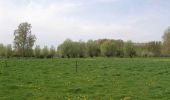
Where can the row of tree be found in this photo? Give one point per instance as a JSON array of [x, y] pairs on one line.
[[24, 42], [108, 48], [46, 52], [101, 47]]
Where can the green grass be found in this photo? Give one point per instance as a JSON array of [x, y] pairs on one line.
[[96, 79]]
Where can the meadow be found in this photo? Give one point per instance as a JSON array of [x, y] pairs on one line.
[[95, 79]]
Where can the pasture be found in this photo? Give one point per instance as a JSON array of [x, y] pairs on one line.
[[95, 79]]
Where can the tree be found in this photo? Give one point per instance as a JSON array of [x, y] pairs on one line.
[[2, 50], [72, 49], [154, 47], [130, 49], [65, 48], [93, 48], [82, 49], [108, 48], [166, 42], [24, 40], [37, 51], [8, 51], [119, 44], [52, 51], [45, 52], [68, 49]]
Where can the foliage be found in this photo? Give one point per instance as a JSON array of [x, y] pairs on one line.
[[166, 42], [52, 52], [37, 51], [45, 52], [82, 49], [129, 49], [93, 49], [2, 50], [8, 50], [108, 48], [119, 45], [24, 40]]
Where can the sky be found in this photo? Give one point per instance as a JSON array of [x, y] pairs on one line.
[[53, 21]]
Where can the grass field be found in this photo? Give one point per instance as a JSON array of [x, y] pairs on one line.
[[95, 79]]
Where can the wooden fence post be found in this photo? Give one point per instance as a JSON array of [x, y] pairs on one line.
[[76, 65]]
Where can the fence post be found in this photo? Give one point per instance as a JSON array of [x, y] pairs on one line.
[[76, 66], [6, 63]]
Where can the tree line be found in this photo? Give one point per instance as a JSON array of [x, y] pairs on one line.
[[108, 48], [24, 41]]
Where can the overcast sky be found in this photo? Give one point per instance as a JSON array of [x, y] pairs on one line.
[[53, 21]]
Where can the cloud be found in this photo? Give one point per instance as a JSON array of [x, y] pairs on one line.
[[45, 18], [54, 21]]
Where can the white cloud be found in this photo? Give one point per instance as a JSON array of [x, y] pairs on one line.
[[44, 18], [55, 21]]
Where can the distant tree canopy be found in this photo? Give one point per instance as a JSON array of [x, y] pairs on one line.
[[52, 52], [45, 52], [93, 49], [130, 49], [6, 51], [37, 51], [108, 48], [24, 42]]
